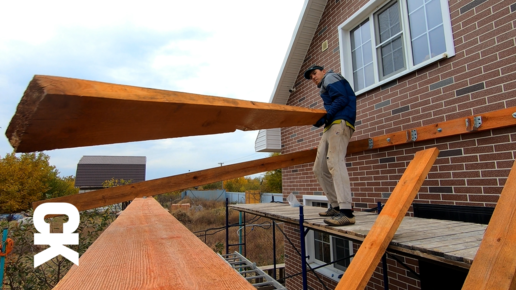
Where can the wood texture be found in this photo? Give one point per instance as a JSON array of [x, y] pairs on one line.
[[57, 112], [147, 248], [377, 240], [108, 196], [494, 266], [492, 120], [449, 242]]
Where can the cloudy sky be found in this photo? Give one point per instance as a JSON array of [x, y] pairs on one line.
[[221, 48]]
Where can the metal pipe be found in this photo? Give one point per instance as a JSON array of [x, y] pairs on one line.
[[227, 227], [2, 259], [240, 233], [245, 239], [303, 254], [274, 247], [384, 260]]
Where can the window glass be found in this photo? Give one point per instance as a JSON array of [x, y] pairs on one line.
[[322, 247], [341, 250], [320, 204], [391, 44], [433, 14], [426, 29], [414, 4], [362, 56], [437, 42]]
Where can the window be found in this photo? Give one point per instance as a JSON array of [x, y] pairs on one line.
[[385, 40], [323, 248]]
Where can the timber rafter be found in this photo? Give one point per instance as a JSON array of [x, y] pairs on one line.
[[93, 199]]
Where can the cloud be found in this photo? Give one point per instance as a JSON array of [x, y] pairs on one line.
[[220, 48]]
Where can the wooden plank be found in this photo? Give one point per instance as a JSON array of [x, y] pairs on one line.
[[412, 237], [108, 196], [411, 229], [466, 255], [147, 248], [492, 120], [57, 112], [494, 266], [377, 240]]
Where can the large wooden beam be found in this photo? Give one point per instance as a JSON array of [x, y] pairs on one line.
[[364, 263], [492, 120], [57, 112], [494, 266], [147, 248], [471, 124], [108, 196]]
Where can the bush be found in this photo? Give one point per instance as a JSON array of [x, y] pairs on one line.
[[212, 214], [20, 272], [182, 217]]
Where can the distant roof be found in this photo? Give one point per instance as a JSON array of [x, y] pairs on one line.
[[92, 171], [113, 160]]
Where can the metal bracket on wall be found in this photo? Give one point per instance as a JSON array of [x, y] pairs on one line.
[[370, 143], [413, 134], [477, 122]]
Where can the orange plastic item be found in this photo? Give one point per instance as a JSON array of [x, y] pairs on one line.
[[9, 244]]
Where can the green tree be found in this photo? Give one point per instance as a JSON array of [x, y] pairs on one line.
[[210, 186], [236, 184], [61, 186], [115, 182], [29, 177], [272, 181]]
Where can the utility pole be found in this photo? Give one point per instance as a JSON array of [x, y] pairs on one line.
[[222, 181]]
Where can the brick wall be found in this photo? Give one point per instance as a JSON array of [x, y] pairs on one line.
[[399, 277], [472, 168]]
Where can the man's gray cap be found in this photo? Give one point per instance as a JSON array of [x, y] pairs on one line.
[[310, 69]]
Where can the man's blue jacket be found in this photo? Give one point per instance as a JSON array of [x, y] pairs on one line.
[[339, 99]]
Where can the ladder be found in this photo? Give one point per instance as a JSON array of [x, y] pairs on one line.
[[250, 272]]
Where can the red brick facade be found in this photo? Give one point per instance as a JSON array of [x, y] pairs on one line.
[[399, 277], [471, 169]]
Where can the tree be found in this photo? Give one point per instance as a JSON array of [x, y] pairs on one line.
[[61, 186], [272, 181], [210, 186], [24, 180], [113, 182], [236, 184]]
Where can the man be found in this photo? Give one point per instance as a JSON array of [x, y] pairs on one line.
[[330, 165]]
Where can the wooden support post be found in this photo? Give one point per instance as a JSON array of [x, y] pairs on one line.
[[147, 248], [482, 122], [108, 196], [494, 266], [57, 112], [377, 240]]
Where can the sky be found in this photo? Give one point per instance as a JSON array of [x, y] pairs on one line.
[[223, 48]]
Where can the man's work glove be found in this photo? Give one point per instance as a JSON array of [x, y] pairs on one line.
[[328, 122], [321, 122]]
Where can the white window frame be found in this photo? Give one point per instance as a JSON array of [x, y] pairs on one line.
[[368, 12], [329, 271]]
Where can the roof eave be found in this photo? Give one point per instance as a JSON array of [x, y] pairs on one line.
[[300, 43]]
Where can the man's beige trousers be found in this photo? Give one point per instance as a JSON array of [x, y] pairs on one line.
[[330, 165]]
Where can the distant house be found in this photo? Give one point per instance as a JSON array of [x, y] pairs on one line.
[[92, 171]]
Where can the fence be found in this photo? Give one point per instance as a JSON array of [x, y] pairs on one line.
[[233, 197]]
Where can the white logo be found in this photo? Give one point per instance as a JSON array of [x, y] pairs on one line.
[[56, 241]]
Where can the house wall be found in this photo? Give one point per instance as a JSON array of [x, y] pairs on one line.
[[471, 169], [399, 276]]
